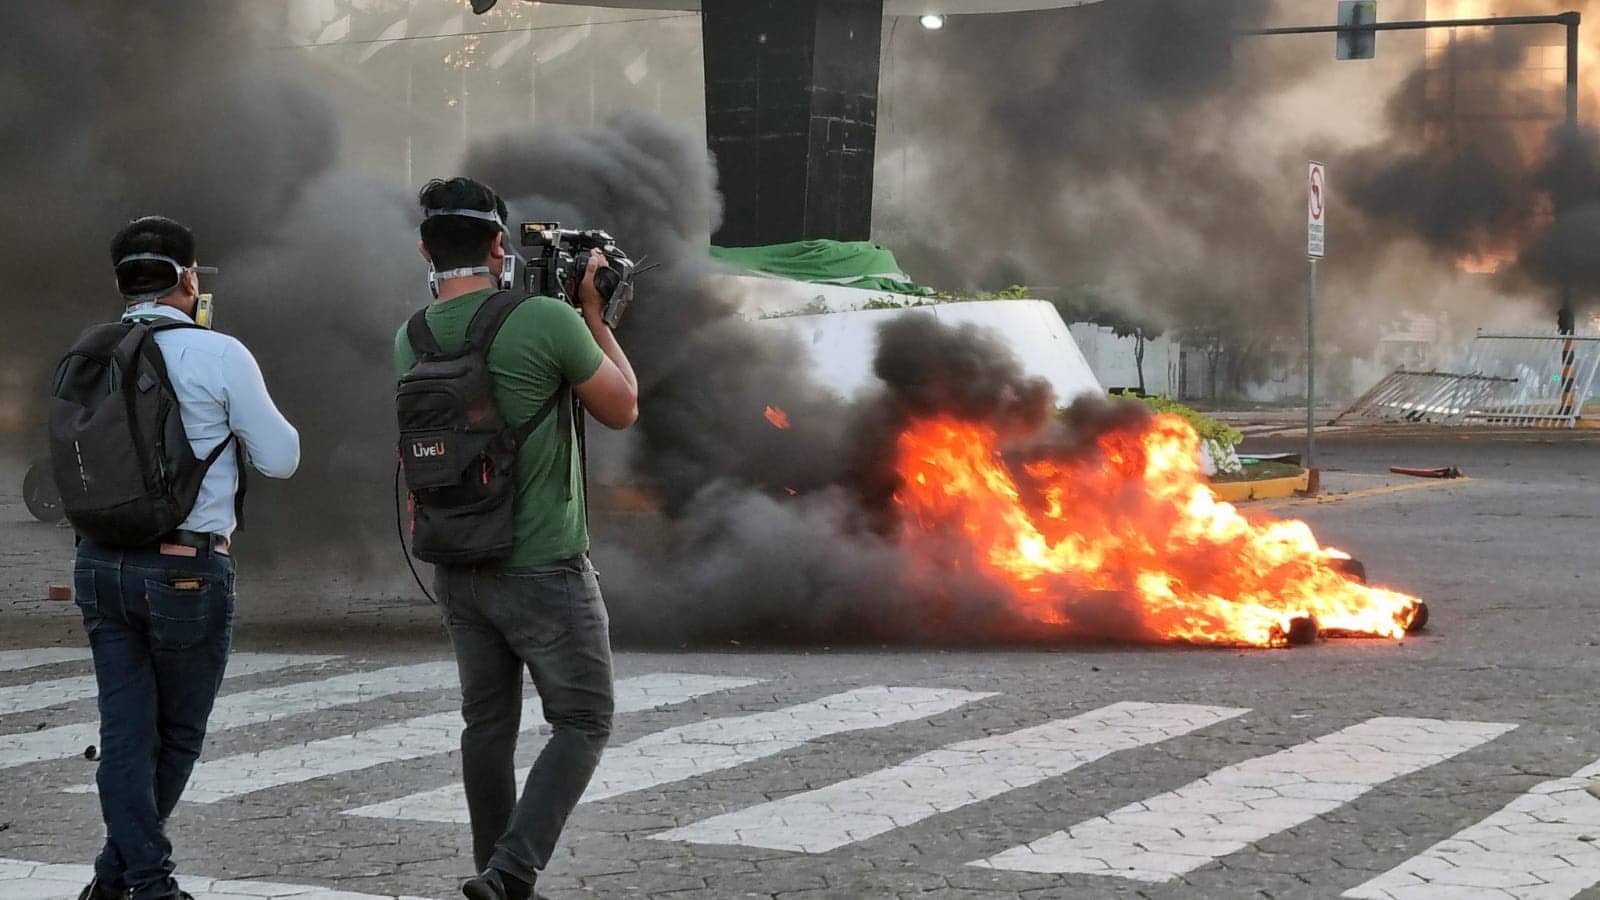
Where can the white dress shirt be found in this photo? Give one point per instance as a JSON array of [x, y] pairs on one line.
[[220, 392]]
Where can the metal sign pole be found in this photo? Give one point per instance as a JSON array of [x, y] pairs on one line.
[[1316, 248], [1311, 369]]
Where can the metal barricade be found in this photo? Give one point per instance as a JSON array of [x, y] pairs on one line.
[[1442, 398], [1506, 379]]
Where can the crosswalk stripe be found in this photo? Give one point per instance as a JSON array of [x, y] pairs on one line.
[[245, 708], [44, 694], [22, 879], [712, 745], [412, 739], [947, 779], [12, 660], [1170, 834], [1541, 845]]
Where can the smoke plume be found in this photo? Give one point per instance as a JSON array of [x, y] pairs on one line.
[[161, 107], [1093, 124], [1118, 143], [1487, 170], [1142, 154]]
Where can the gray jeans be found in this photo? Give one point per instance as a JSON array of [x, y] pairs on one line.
[[552, 620]]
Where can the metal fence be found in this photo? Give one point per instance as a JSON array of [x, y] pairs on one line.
[[1506, 379], [1554, 376], [1443, 398]]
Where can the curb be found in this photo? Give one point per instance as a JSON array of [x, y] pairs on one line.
[[1265, 489]]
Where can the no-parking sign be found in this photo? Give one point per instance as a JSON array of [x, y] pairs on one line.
[[1316, 209]]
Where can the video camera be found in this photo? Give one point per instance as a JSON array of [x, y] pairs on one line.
[[563, 253]]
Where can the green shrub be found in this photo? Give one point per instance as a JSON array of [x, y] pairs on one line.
[[1205, 426], [893, 303]]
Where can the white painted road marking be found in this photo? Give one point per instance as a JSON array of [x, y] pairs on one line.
[[22, 879], [12, 660], [412, 739], [1180, 831], [712, 745], [1541, 845], [44, 694], [947, 779], [245, 708]]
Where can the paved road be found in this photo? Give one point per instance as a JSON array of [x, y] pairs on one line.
[[1451, 765]]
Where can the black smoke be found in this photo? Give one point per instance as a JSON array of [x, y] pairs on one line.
[[1487, 167], [931, 369], [1098, 146], [706, 376], [745, 530], [749, 531], [168, 107]]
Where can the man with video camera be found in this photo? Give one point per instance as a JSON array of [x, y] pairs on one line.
[[489, 447]]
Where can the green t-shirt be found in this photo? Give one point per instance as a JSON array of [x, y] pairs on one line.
[[542, 343]]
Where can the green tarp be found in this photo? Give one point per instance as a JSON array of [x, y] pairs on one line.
[[856, 264]]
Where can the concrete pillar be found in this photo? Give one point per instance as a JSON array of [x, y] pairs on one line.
[[792, 116]]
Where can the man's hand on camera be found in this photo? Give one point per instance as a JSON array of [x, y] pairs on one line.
[[612, 394], [589, 299]]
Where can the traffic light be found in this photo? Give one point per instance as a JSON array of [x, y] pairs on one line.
[[1356, 42]]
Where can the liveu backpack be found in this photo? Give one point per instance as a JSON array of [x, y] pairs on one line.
[[457, 451], [121, 459]]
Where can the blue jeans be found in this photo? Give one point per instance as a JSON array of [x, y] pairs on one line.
[[552, 621], [160, 628]]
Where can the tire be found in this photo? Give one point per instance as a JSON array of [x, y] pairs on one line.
[[1353, 569], [40, 494], [1421, 620]]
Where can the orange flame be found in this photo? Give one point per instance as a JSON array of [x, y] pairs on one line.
[[1136, 520], [777, 417]]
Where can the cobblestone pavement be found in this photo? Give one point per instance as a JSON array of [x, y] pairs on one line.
[[1450, 765]]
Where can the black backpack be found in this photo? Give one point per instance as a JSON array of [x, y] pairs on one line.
[[458, 453], [122, 461]]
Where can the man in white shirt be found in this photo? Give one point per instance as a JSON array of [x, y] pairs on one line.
[[160, 617]]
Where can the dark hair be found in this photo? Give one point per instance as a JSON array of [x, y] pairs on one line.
[[150, 234], [456, 242]]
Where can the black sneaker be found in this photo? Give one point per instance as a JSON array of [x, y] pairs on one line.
[[487, 886], [97, 891], [494, 884]]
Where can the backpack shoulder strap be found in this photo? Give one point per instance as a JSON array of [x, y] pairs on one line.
[[487, 321], [560, 403], [556, 403], [125, 354], [136, 333], [170, 325], [157, 360], [420, 335]]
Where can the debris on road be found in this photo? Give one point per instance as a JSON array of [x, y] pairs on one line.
[[1439, 472]]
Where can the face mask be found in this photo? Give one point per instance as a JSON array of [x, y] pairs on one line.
[[177, 275]]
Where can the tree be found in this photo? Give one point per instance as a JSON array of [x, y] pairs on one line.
[[1087, 303]]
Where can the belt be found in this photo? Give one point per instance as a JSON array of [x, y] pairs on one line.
[[193, 543]]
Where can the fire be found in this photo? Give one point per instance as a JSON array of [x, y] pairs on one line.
[[1135, 520], [778, 418]]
